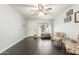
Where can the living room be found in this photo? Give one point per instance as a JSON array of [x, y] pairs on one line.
[[27, 32]]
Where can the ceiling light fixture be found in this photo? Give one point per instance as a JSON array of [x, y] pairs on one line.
[[40, 13], [41, 10]]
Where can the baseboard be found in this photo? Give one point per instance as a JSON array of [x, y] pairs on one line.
[[33, 37], [30, 37], [12, 45]]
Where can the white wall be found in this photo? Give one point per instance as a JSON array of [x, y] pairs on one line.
[[11, 29], [70, 28], [34, 24]]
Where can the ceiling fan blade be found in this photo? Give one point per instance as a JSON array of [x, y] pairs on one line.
[[44, 12], [49, 9]]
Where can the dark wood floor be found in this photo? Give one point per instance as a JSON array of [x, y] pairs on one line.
[[32, 46]]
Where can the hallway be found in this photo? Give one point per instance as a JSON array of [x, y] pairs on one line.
[[32, 46]]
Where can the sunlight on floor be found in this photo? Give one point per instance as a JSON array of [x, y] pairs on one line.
[[44, 46]]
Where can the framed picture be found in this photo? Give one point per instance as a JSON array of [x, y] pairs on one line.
[[77, 17], [67, 19], [70, 12]]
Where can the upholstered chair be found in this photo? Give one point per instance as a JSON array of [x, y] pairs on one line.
[[57, 39]]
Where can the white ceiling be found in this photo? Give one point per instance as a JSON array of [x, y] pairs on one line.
[[24, 10]]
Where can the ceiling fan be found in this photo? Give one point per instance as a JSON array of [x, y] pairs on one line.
[[41, 10]]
